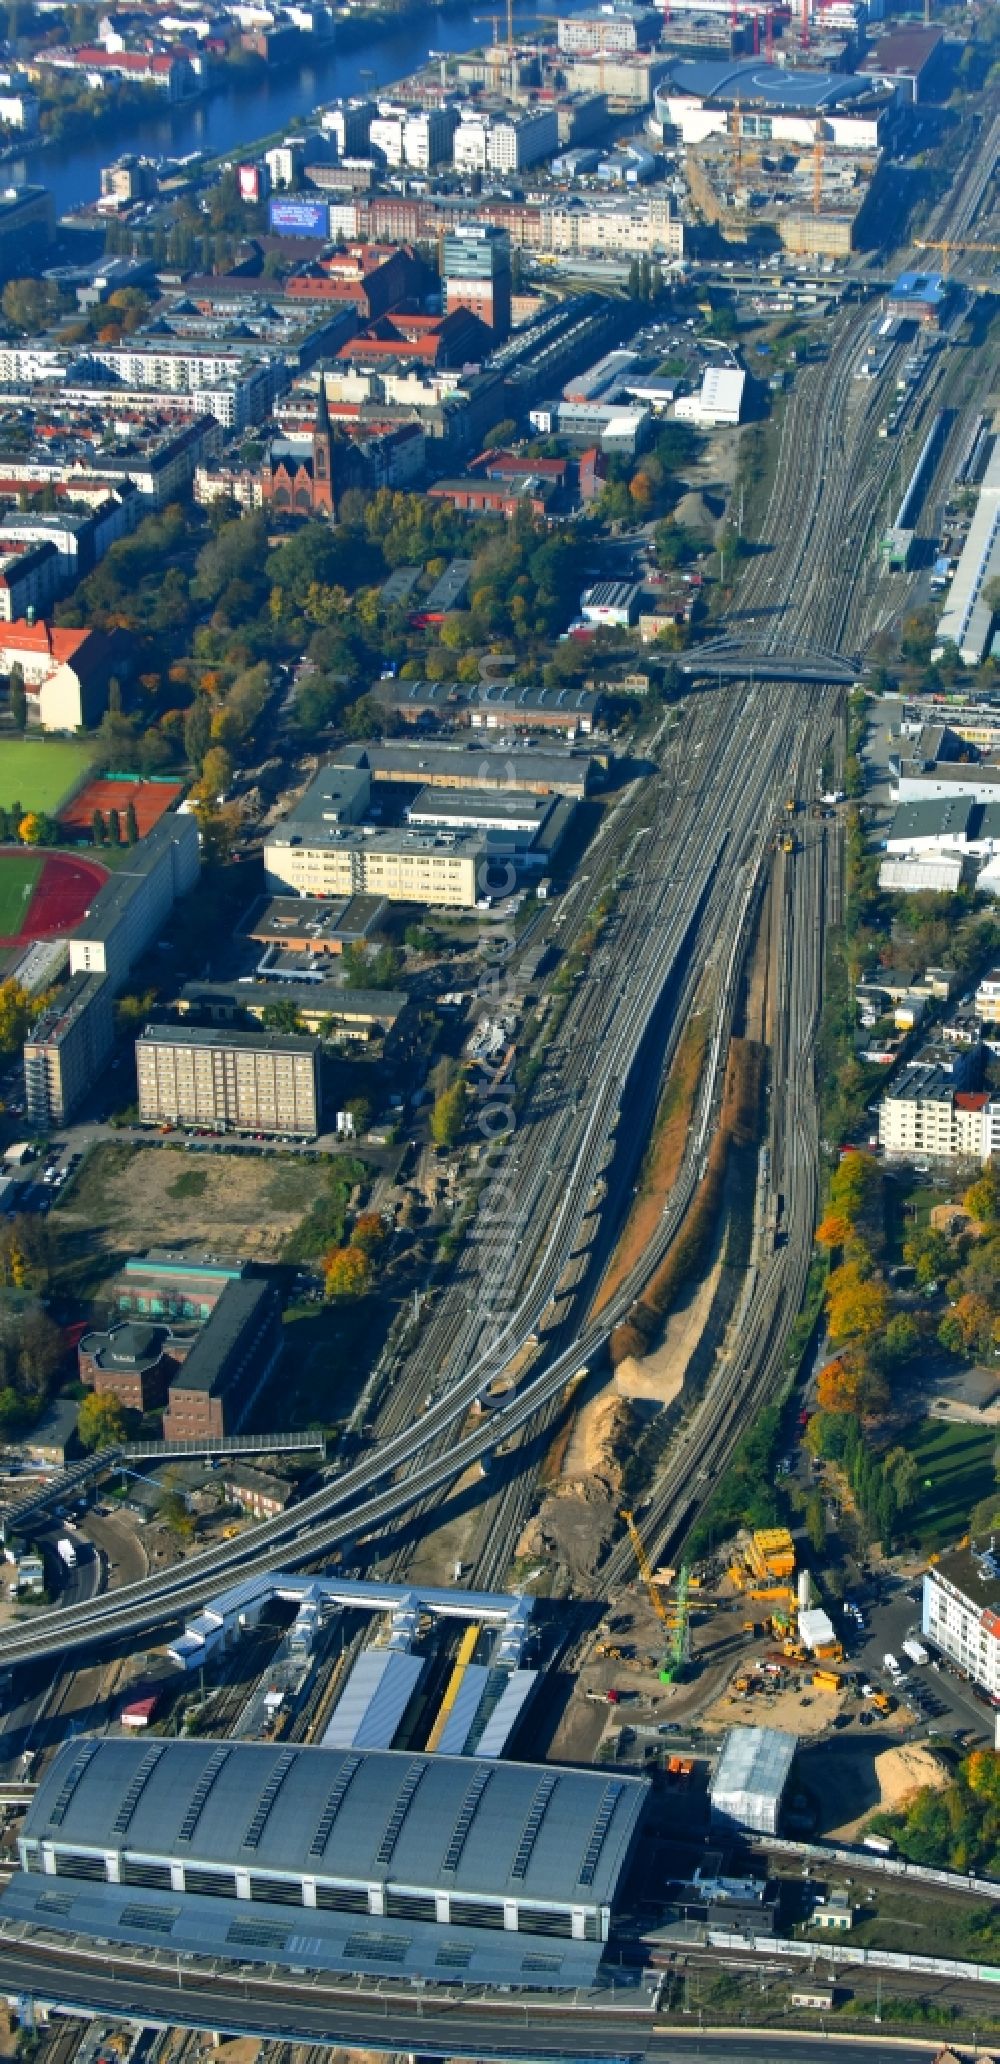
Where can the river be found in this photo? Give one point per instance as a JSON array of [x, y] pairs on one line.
[[246, 107]]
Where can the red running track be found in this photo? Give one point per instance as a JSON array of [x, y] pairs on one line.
[[65, 888]]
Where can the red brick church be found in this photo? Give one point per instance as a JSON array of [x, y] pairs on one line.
[[297, 478]]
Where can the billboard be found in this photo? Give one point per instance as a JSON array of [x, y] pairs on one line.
[[251, 182], [300, 218]]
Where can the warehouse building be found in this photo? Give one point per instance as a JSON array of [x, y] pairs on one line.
[[751, 1778], [411, 1866], [961, 1613], [237, 1350], [452, 762], [967, 619]]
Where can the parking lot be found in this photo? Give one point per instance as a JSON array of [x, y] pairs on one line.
[[943, 1703]]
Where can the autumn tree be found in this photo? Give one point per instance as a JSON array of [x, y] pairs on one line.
[[837, 1386], [346, 1272], [29, 830], [101, 1421], [369, 1233], [982, 1199], [857, 1303], [448, 1115], [17, 1009], [834, 1230]]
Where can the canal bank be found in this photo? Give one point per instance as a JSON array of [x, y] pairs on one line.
[[248, 106]]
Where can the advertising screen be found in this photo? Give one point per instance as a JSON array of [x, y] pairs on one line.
[[300, 218]]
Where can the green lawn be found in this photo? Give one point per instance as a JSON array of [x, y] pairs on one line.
[[955, 1470], [39, 775], [18, 875]]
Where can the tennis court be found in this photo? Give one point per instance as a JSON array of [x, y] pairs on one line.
[[149, 799]]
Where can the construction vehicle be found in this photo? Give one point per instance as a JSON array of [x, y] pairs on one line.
[[826, 1680], [754, 1627], [882, 1702], [675, 1620]]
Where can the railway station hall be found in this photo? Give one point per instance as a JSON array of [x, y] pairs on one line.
[[428, 1868]]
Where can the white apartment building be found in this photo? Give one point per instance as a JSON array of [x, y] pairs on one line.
[[988, 997], [924, 1116], [387, 133], [961, 1614], [486, 144], [427, 137]]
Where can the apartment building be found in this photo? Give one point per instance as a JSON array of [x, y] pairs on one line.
[[229, 1079], [961, 1614], [925, 1115], [620, 27], [66, 1049], [987, 998], [131, 908], [69, 1043], [29, 578], [508, 143]]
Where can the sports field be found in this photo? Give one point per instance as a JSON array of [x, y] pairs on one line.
[[39, 774], [43, 895], [18, 874]]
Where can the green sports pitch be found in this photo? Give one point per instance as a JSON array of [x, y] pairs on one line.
[[40, 775], [18, 874]]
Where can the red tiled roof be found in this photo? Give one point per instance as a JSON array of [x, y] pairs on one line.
[[971, 1099], [61, 644]]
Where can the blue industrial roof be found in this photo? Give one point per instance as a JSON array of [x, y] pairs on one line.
[[754, 84], [262, 1932], [919, 286], [516, 1831]]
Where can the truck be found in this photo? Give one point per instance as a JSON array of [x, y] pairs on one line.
[[890, 1663], [915, 1650], [66, 1552]]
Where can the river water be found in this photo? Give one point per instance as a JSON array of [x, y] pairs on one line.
[[246, 107]]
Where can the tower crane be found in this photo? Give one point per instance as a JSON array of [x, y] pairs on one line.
[[676, 1620], [949, 244]]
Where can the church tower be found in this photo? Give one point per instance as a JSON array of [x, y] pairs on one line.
[[322, 454]]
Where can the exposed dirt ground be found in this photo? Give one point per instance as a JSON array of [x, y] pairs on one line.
[[127, 1201], [907, 1769], [660, 1376]]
